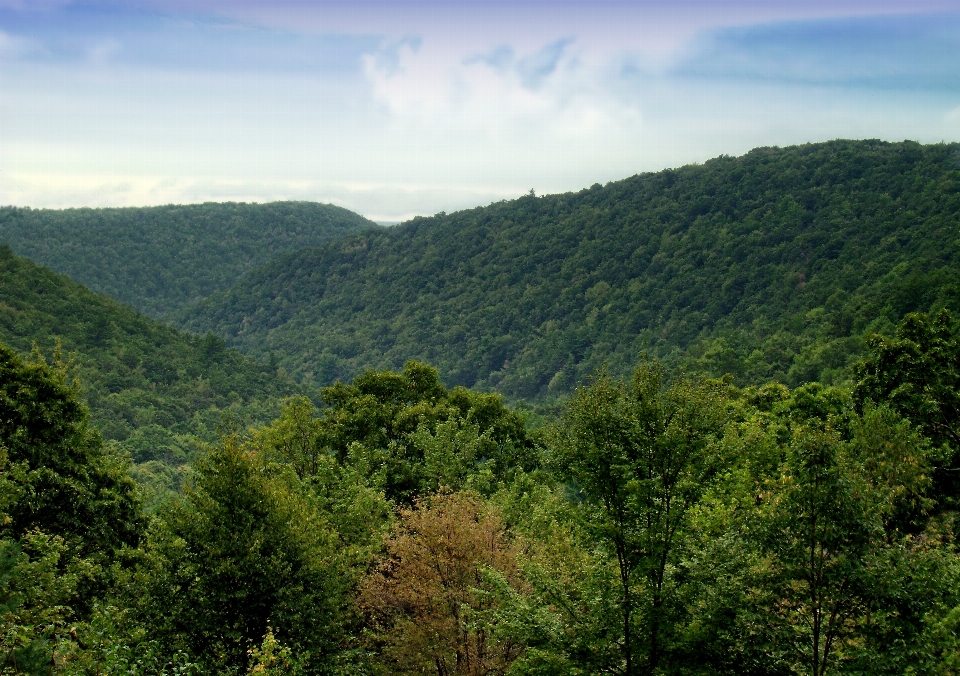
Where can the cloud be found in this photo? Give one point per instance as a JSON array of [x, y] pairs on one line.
[[386, 58], [535, 68], [393, 108], [435, 88], [914, 52], [499, 59]]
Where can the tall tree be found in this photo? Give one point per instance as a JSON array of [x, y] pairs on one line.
[[37, 584], [244, 550], [819, 533], [641, 457], [71, 485], [826, 524], [67, 506]]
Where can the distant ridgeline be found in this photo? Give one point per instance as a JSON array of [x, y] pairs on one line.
[[155, 390], [159, 259], [769, 266]]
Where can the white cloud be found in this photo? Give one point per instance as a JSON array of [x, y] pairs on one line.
[[103, 51], [17, 47]]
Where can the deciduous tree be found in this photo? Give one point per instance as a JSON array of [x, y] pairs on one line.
[[428, 601], [641, 457]]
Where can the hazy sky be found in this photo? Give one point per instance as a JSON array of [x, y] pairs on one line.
[[394, 108]]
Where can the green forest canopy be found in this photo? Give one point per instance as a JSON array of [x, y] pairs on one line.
[[667, 524], [769, 266], [150, 387], [158, 259]]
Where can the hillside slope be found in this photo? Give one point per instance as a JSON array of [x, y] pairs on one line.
[[158, 259], [153, 389], [772, 265]]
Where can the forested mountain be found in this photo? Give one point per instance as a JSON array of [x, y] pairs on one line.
[[670, 523], [158, 259], [153, 389], [769, 266]]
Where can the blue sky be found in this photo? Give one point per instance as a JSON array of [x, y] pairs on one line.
[[395, 108]]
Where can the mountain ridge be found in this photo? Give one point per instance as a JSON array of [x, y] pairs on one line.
[[773, 265], [158, 259]]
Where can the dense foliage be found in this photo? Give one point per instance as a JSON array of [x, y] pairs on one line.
[[769, 266], [245, 549], [670, 523], [409, 425], [70, 485], [665, 525], [918, 372], [67, 509], [159, 259], [154, 390]]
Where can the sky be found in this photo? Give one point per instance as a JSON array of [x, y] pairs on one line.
[[394, 108]]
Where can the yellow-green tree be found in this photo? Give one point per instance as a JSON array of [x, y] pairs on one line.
[[429, 600]]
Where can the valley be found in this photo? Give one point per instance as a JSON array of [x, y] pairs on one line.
[[697, 421]]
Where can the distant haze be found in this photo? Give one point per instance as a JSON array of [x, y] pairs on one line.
[[397, 108]]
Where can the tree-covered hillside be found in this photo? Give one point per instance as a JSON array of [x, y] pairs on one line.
[[666, 525], [159, 259], [151, 388], [770, 266]]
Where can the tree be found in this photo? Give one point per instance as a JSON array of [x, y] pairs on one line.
[[244, 550], [71, 485], [390, 415], [819, 533], [566, 612], [36, 588], [918, 374], [429, 598], [293, 438], [825, 524], [641, 457], [67, 506], [349, 493]]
